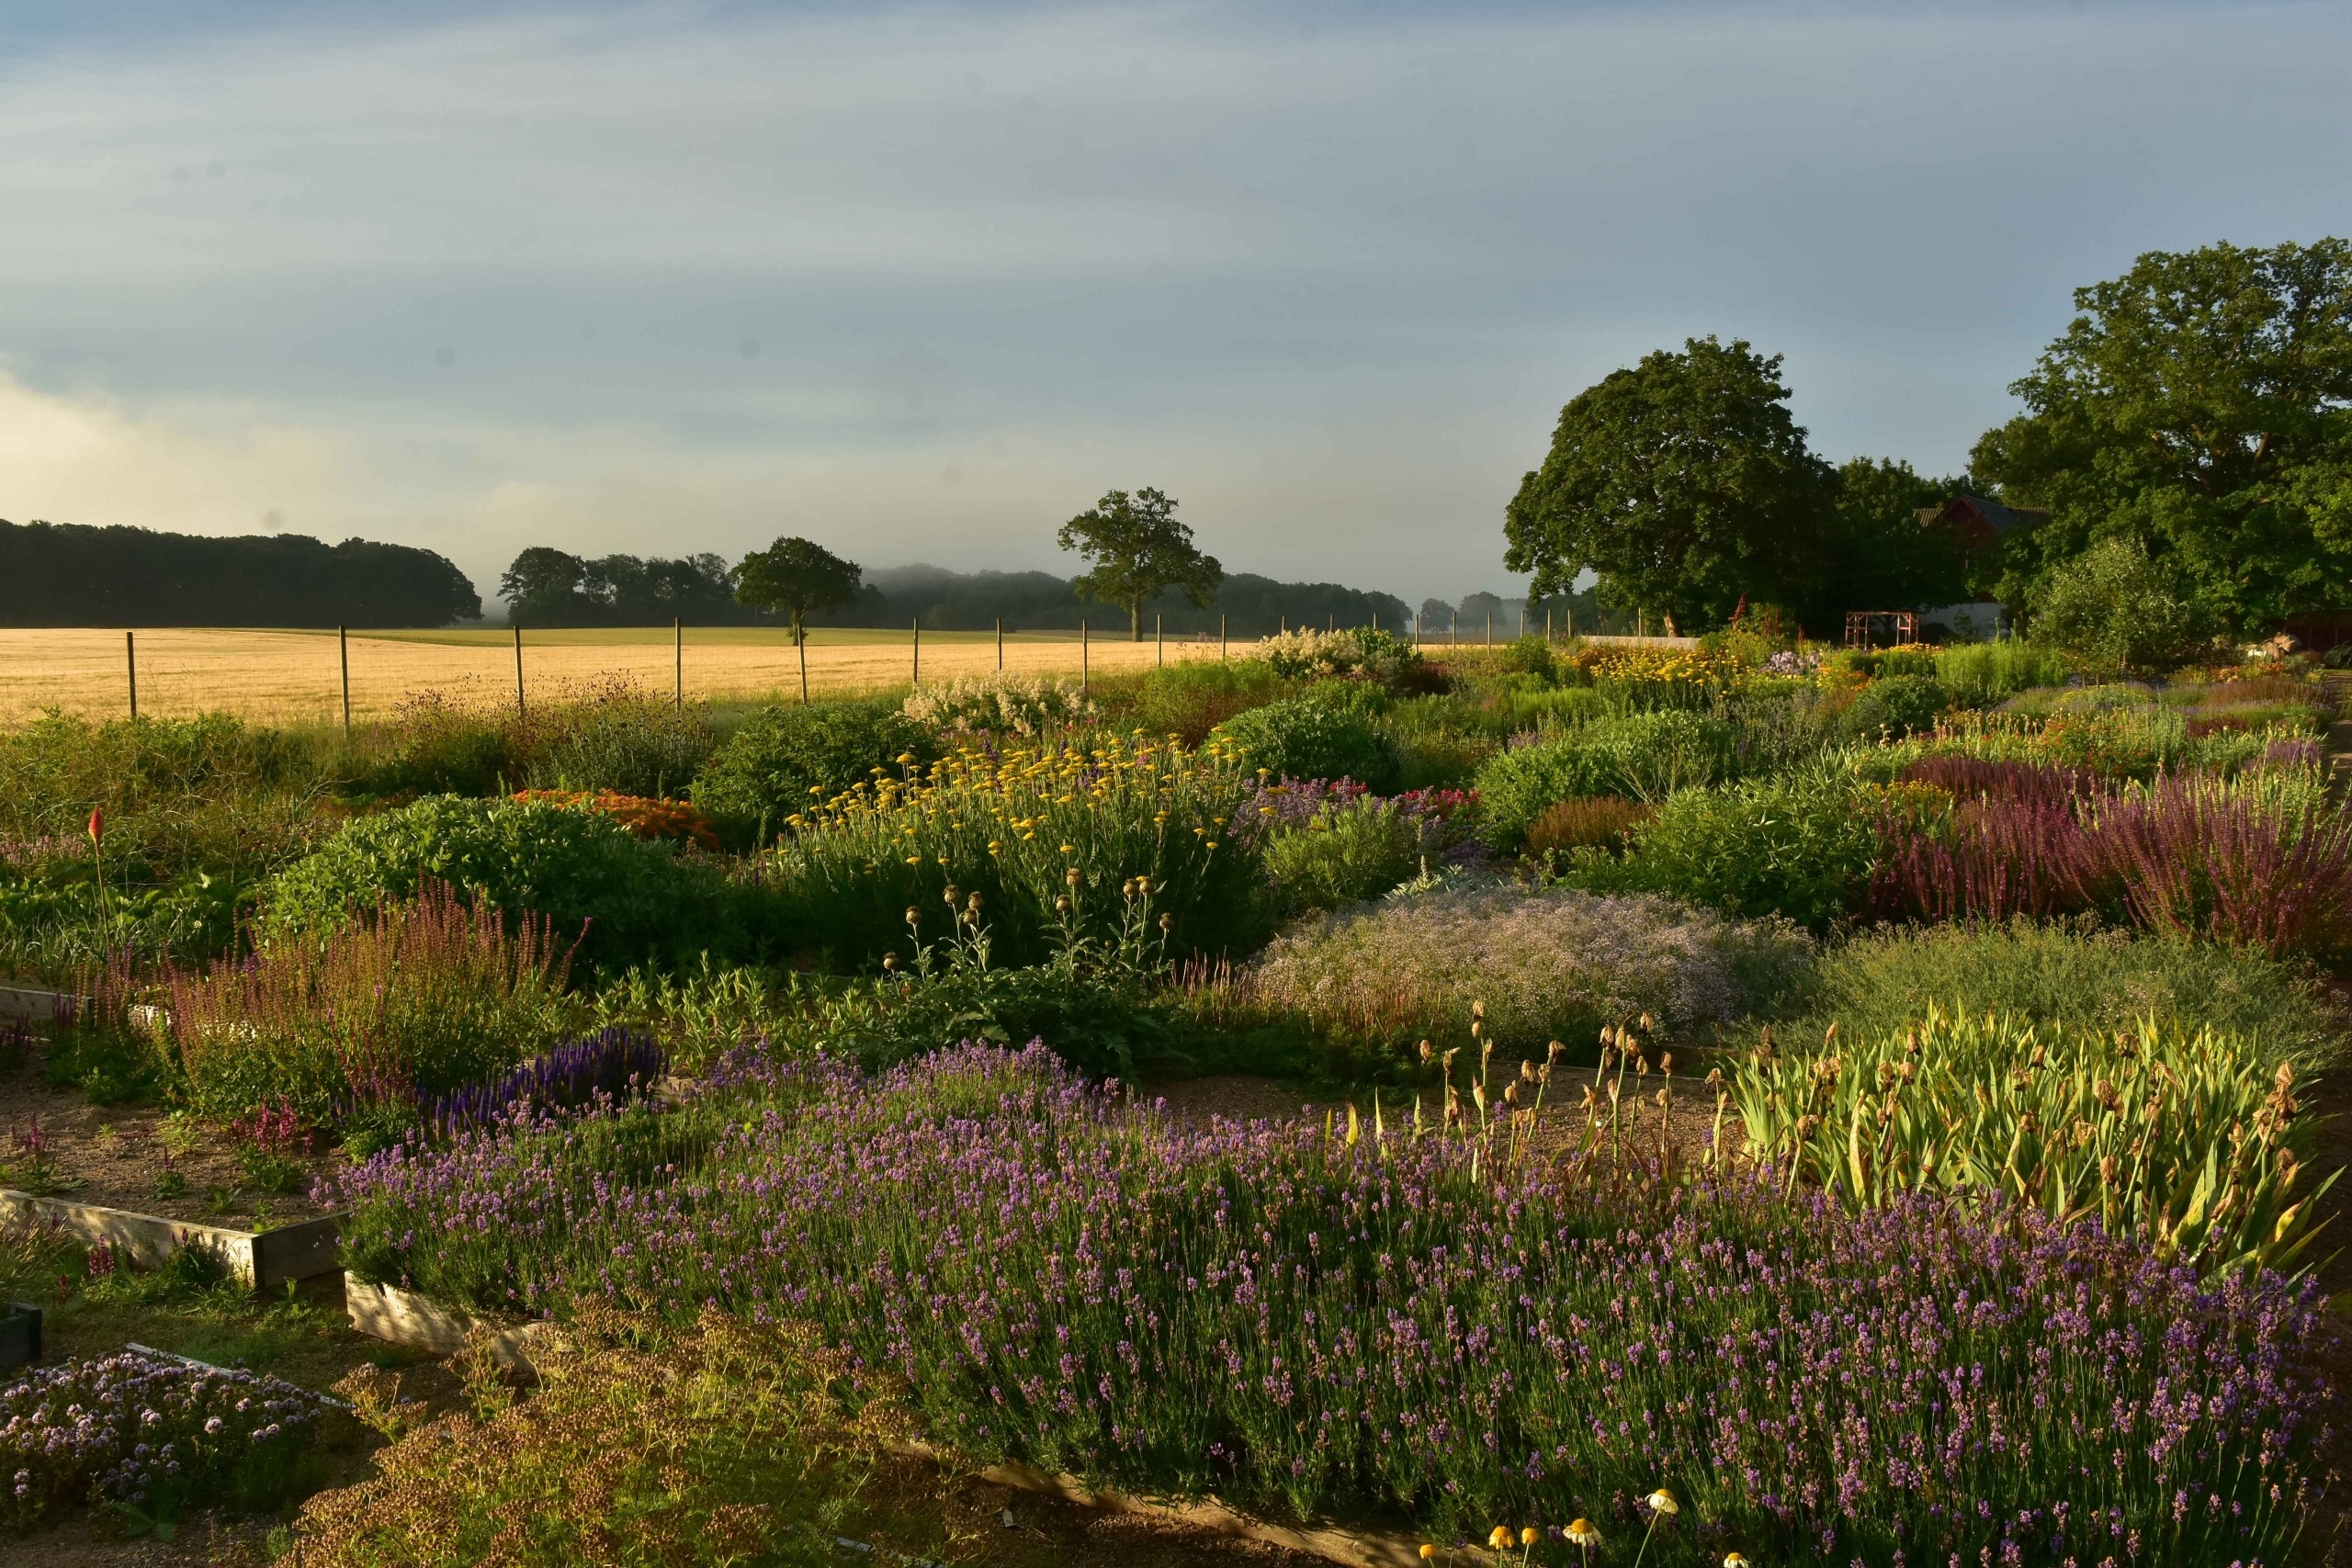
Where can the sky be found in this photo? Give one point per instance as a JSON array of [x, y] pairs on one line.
[[919, 282]]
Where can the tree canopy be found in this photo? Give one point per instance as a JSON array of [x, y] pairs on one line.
[[1138, 550], [2197, 404], [1878, 554], [797, 577], [1684, 483]]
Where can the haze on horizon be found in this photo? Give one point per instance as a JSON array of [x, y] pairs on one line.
[[919, 282]]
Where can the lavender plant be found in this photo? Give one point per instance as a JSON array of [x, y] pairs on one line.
[[616, 1064], [1355, 1320]]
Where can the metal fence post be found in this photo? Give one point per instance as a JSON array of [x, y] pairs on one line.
[[343, 650], [131, 665], [518, 669]]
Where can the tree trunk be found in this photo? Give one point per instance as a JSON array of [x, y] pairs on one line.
[[1135, 620]]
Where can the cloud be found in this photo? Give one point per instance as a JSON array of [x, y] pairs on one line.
[[486, 281]]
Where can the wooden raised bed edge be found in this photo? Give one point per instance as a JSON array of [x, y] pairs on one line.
[[262, 1259], [406, 1318]]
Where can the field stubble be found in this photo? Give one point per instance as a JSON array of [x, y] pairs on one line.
[[292, 676]]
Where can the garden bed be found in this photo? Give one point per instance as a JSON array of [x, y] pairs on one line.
[[119, 1155]]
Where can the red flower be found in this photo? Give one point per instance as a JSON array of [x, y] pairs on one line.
[[97, 824]]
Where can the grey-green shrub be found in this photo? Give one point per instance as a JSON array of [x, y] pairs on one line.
[[1895, 707], [2081, 977], [1306, 738], [1644, 756], [1798, 845], [786, 757], [1978, 674], [631, 897]]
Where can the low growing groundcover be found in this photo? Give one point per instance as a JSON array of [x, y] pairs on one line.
[[1358, 1322]]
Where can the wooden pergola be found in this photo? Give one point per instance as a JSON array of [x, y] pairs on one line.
[[1863, 627]]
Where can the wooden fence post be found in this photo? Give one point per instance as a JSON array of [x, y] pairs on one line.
[[1159, 641], [999, 645], [131, 665], [678, 644], [1220, 639], [1490, 628], [343, 650], [518, 669], [800, 639], [918, 643], [1085, 660]]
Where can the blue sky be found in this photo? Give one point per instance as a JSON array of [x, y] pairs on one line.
[[922, 281]]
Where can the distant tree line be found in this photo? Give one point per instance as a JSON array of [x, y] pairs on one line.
[[70, 574], [547, 588]]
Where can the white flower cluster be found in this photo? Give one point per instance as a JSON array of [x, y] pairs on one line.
[[1026, 705], [1359, 650]]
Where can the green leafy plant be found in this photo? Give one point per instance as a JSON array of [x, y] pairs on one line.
[[1035, 832], [1979, 674], [1897, 706], [1302, 738], [784, 760], [573, 867], [725, 1443], [1348, 850], [2079, 975]]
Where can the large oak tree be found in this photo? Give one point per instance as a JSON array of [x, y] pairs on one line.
[[1138, 551], [2198, 405], [1684, 483]]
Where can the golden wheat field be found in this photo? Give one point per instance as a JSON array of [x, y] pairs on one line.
[[293, 676]]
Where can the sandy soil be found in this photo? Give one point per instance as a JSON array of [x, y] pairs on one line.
[[288, 676], [118, 1154]]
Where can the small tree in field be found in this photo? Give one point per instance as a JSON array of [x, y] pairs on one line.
[[1138, 550], [796, 576]]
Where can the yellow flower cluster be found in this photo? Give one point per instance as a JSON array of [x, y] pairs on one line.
[[1014, 791], [1713, 667]]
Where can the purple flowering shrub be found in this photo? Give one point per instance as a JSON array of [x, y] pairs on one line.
[[616, 1062], [1304, 1320], [149, 1435]]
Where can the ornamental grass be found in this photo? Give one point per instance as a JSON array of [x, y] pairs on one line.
[[1542, 966], [416, 999], [1046, 836], [2261, 862], [1366, 1322]]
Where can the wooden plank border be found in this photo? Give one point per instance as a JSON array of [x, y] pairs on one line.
[[261, 1259]]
